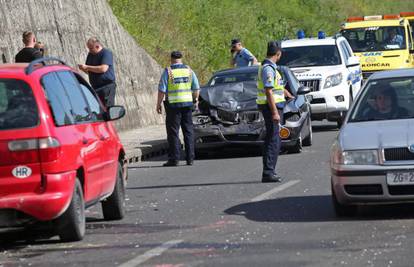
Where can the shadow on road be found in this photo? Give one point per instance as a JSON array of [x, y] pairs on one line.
[[21, 238], [193, 185], [313, 209]]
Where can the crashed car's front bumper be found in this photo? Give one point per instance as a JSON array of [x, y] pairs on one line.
[[249, 134], [218, 135]]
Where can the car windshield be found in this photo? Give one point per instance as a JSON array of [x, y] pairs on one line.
[[375, 38], [387, 99], [18, 107], [232, 78], [303, 56]]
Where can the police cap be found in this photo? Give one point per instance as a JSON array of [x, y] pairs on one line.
[[176, 54]]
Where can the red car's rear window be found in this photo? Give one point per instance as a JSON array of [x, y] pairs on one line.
[[18, 107]]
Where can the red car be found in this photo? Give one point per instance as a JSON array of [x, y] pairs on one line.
[[59, 152]]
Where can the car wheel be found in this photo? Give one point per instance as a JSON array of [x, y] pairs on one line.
[[113, 207], [308, 140], [71, 224], [342, 210], [297, 148]]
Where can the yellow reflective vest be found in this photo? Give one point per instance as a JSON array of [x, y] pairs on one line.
[[179, 85], [277, 91]]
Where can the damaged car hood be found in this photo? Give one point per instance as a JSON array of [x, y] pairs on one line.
[[232, 96]]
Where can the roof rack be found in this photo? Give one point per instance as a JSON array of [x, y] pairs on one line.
[[29, 69]]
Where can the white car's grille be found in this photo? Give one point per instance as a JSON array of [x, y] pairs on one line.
[[314, 85]]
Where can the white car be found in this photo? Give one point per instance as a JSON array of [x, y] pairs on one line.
[[328, 67], [372, 159]]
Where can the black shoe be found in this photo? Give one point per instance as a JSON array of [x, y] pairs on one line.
[[271, 179], [170, 163], [190, 162]]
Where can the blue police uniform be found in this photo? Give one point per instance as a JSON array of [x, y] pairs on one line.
[[178, 108], [272, 143], [244, 58]]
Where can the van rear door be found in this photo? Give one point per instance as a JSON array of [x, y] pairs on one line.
[[20, 156]]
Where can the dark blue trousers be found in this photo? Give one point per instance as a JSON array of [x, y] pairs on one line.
[[177, 117], [272, 142]]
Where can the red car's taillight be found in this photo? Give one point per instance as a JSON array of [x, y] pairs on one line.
[[34, 150]]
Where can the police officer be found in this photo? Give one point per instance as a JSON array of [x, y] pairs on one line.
[[270, 100], [180, 88], [241, 57]]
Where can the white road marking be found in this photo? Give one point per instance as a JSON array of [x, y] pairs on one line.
[[275, 190], [151, 254]]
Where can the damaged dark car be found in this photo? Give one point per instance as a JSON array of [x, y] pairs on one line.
[[228, 114]]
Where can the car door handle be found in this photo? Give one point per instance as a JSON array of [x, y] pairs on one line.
[[103, 138]]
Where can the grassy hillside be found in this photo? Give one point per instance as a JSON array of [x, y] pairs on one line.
[[202, 29]]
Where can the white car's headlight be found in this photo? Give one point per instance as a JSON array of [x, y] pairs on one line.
[[360, 157], [333, 80]]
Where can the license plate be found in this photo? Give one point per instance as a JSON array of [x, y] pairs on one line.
[[400, 178]]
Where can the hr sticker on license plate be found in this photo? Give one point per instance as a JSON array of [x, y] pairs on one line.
[[400, 178]]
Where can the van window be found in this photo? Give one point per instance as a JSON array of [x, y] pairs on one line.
[[77, 100], [58, 100], [18, 107], [95, 107]]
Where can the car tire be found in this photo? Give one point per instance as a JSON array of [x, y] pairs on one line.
[[297, 148], [113, 208], [342, 210], [308, 140], [71, 224]]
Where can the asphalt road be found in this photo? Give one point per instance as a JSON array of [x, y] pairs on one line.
[[217, 213]]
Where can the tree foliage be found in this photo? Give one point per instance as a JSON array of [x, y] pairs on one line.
[[202, 29]]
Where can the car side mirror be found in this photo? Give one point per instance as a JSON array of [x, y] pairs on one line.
[[115, 113], [352, 61], [303, 90]]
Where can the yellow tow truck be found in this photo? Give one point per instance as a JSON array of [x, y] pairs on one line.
[[382, 42]]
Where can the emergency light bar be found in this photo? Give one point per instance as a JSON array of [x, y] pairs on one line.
[[379, 17], [407, 14]]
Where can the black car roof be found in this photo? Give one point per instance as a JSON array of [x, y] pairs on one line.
[[237, 70], [242, 70]]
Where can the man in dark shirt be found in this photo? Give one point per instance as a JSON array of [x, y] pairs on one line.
[[29, 52], [100, 68]]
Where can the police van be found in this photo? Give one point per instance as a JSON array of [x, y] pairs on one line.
[[382, 42], [329, 68]]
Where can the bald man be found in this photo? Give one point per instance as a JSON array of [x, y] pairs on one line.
[[100, 68]]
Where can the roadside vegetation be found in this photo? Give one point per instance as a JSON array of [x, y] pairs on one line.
[[202, 29]]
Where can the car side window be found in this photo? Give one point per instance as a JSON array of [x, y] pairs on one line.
[[79, 106], [349, 49], [58, 100], [345, 51], [95, 107]]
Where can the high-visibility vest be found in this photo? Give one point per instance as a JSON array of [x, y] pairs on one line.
[[277, 91], [179, 85]]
